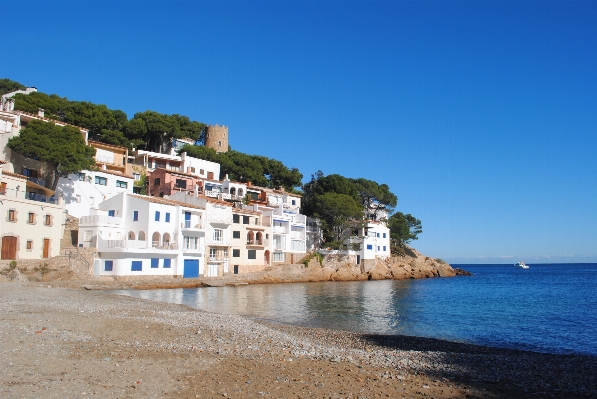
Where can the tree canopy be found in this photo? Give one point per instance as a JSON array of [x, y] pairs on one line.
[[340, 215], [8, 86], [403, 228], [63, 147]]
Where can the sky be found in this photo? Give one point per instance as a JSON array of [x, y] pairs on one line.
[[481, 116]]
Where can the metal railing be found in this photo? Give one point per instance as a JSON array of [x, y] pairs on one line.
[[28, 195]]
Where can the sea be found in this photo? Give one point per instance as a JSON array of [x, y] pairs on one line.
[[550, 308]]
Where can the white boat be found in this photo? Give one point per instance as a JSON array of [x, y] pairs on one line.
[[522, 265]]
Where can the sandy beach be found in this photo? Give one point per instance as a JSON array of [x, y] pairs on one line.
[[73, 343]]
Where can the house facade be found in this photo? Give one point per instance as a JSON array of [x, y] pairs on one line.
[[31, 218]]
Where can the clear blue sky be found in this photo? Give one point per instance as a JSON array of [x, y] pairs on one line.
[[480, 116]]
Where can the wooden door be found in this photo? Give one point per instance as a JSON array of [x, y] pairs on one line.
[[9, 247], [46, 253]]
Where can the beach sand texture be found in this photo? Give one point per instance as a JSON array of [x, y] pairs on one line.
[[72, 343]]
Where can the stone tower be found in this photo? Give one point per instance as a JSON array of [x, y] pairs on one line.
[[216, 137]]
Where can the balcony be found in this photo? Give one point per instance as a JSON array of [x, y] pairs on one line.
[[29, 196], [128, 245], [100, 219], [258, 243], [192, 225], [108, 160], [218, 258], [212, 194], [222, 242]]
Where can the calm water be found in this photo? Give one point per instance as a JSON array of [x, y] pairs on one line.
[[547, 308]]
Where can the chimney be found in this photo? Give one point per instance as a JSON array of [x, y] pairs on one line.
[[248, 184], [40, 112], [183, 156], [104, 167]]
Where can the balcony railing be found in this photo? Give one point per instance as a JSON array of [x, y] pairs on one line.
[[223, 242], [262, 242], [132, 244], [218, 258], [110, 160], [188, 224], [164, 245], [96, 219], [29, 196]]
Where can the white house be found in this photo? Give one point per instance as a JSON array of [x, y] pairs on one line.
[[146, 236]]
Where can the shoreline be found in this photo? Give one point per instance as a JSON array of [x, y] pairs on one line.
[[65, 342]]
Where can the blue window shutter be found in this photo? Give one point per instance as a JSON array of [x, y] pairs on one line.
[[155, 262], [137, 266], [369, 246], [157, 216], [384, 235], [167, 263], [135, 215], [108, 265], [111, 213], [167, 217], [384, 247]]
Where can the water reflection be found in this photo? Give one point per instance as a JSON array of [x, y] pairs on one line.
[[372, 306]]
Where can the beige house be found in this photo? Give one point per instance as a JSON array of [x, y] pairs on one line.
[[251, 232], [31, 218]]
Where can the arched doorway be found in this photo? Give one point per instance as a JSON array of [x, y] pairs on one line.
[[131, 235], [155, 239], [266, 256]]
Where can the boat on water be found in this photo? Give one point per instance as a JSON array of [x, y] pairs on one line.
[[521, 265]]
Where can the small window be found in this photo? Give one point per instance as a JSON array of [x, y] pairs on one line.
[[111, 213], [384, 236], [235, 219], [108, 265], [235, 269], [91, 200], [121, 184], [81, 176], [137, 176], [369, 246], [48, 220], [29, 244], [31, 217], [236, 234], [102, 181], [192, 169], [236, 253], [12, 215], [155, 262], [156, 181], [167, 263], [245, 220], [157, 216], [135, 216], [181, 183], [78, 198], [201, 172], [378, 247], [137, 266], [293, 202], [384, 248], [252, 254], [167, 217]]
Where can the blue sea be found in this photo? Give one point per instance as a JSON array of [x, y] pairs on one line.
[[548, 308]]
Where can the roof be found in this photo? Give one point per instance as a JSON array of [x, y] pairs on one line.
[[176, 173], [4, 172], [43, 118], [113, 172], [106, 144], [247, 211], [164, 201]]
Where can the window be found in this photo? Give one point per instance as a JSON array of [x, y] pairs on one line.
[[48, 220], [137, 266], [181, 183], [102, 181], [278, 257], [218, 235], [91, 200], [157, 216], [236, 253], [29, 244], [78, 198], [121, 184], [235, 219], [293, 202], [155, 262], [235, 269], [236, 234], [167, 217], [167, 263], [369, 246], [384, 247], [111, 213], [201, 172], [192, 169], [31, 217], [12, 215], [108, 265], [378, 247], [87, 235], [30, 173], [137, 176], [81, 176], [377, 235], [384, 236], [135, 216], [212, 253], [190, 242], [245, 220], [256, 221], [156, 181], [252, 254]]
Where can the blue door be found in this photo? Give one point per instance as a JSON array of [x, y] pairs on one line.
[[191, 268]]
